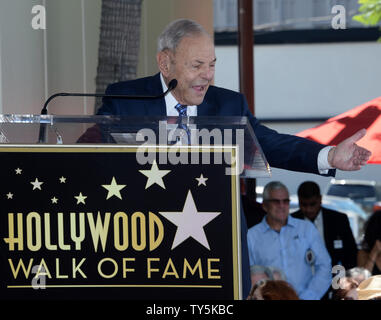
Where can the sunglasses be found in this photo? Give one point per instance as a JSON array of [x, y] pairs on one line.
[[278, 201]]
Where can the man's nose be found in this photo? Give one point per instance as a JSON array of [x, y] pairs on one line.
[[207, 73], [284, 204]]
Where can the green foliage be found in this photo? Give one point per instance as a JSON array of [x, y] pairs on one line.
[[370, 13]]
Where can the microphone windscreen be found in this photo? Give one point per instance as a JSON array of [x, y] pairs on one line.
[[172, 84]]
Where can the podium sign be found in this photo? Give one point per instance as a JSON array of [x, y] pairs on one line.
[[92, 222]]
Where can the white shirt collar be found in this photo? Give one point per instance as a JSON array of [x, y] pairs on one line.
[[171, 102], [318, 222]]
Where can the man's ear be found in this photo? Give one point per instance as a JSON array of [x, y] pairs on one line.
[[163, 62]]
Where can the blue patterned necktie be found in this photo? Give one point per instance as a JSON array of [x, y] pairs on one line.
[[182, 110]]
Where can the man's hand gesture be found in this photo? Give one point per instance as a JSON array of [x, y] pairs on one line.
[[347, 155]]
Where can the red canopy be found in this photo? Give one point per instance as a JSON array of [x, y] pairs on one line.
[[338, 128]]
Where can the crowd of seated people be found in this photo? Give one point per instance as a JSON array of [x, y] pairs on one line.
[[312, 241]]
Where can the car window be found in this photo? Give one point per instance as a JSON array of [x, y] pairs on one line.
[[378, 192], [352, 191]]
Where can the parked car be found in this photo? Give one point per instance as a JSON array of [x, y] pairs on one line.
[[356, 215], [366, 193]]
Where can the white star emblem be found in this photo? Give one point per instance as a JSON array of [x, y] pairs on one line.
[[62, 180], [9, 195], [155, 175], [201, 180], [54, 200], [36, 184], [18, 171], [113, 189], [80, 198], [190, 223]]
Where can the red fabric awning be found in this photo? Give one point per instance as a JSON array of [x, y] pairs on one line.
[[340, 127]]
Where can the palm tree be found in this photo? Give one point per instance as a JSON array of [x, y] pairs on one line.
[[118, 44]]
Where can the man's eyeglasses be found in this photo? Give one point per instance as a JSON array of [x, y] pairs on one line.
[[278, 201]]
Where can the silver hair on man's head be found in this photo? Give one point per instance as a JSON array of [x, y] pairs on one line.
[[273, 185], [177, 30]]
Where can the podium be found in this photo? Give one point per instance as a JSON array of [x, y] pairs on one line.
[[106, 207]]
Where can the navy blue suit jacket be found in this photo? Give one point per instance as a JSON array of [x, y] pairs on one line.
[[281, 150]]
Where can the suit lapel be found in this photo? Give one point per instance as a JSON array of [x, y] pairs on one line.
[[207, 107], [155, 107]]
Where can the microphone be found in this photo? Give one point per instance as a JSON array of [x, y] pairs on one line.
[[171, 85]]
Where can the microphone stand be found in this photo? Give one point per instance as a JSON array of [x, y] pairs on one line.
[[41, 136]]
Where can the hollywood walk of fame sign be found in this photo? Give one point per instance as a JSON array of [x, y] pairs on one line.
[[86, 222]]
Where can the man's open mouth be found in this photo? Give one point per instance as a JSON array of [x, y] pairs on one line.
[[199, 88]]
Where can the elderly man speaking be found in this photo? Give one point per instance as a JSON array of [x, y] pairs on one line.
[[186, 53]]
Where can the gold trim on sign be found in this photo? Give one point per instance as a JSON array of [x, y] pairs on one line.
[[116, 286], [235, 233], [82, 148]]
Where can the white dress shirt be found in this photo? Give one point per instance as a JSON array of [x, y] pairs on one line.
[[318, 222], [323, 164], [171, 102]]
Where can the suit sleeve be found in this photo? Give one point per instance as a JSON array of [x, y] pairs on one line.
[[286, 151]]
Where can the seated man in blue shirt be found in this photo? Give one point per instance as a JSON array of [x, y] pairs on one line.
[[290, 244]]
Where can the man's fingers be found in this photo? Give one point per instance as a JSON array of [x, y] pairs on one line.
[[360, 162], [357, 136], [363, 153]]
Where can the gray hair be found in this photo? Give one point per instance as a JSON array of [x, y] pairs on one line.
[[358, 271], [177, 30], [273, 185]]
